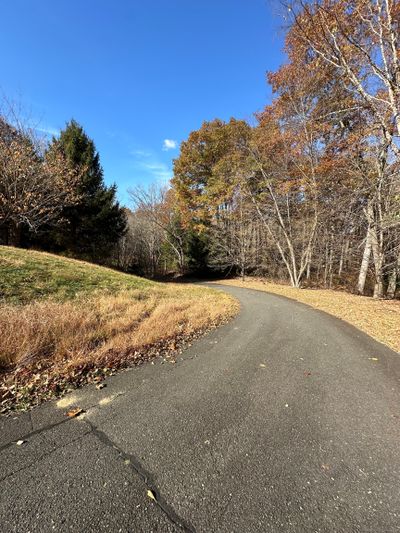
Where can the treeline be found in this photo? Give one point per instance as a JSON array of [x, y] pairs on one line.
[[157, 242], [311, 193], [53, 195]]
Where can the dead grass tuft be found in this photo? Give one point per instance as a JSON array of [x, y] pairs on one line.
[[87, 328], [51, 342], [378, 318]]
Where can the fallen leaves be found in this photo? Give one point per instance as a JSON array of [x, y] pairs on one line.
[[30, 385], [27, 386], [73, 413], [151, 495]]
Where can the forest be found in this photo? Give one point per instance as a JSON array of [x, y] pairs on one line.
[[308, 193]]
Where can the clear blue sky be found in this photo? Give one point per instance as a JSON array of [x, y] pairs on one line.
[[137, 72]]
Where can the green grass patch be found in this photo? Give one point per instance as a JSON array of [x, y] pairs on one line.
[[27, 276]]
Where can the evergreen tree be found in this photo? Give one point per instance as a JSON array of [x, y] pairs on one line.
[[95, 224]]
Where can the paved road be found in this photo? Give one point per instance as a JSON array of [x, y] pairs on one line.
[[282, 420]]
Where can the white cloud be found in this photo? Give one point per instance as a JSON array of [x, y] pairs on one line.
[[48, 130], [159, 171], [169, 144], [141, 153], [148, 167]]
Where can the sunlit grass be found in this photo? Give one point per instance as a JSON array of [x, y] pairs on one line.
[[58, 314], [27, 275]]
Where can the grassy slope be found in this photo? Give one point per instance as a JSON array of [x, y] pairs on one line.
[[26, 276], [65, 322], [378, 318]]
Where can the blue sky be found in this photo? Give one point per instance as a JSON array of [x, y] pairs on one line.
[[136, 73]]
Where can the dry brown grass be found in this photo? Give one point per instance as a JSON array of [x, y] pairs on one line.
[[378, 318], [48, 346], [83, 329], [65, 322]]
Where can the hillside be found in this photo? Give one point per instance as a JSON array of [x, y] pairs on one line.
[[28, 276], [66, 322]]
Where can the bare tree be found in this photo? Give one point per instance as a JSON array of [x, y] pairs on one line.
[[34, 187], [157, 205], [233, 235], [360, 40]]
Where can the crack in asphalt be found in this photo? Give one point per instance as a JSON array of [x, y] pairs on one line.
[[44, 456], [26, 436], [134, 463], [48, 427], [148, 479]]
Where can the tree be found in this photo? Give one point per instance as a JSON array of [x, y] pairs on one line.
[[140, 250], [34, 188], [233, 235], [209, 185], [288, 149], [94, 225], [359, 39], [158, 205], [208, 169]]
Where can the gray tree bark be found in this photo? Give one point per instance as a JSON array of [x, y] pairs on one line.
[[362, 277], [391, 290]]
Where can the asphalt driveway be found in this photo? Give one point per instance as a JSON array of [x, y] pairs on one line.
[[286, 419]]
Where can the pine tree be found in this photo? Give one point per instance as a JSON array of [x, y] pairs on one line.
[[92, 227]]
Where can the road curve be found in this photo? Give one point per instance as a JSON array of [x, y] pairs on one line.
[[285, 419]]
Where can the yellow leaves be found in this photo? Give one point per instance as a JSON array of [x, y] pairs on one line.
[[151, 495]]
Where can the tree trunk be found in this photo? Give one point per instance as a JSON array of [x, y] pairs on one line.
[[391, 290], [326, 266], [308, 275], [378, 262], [331, 257], [242, 273], [14, 235], [343, 256], [365, 262], [341, 260], [378, 288]]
